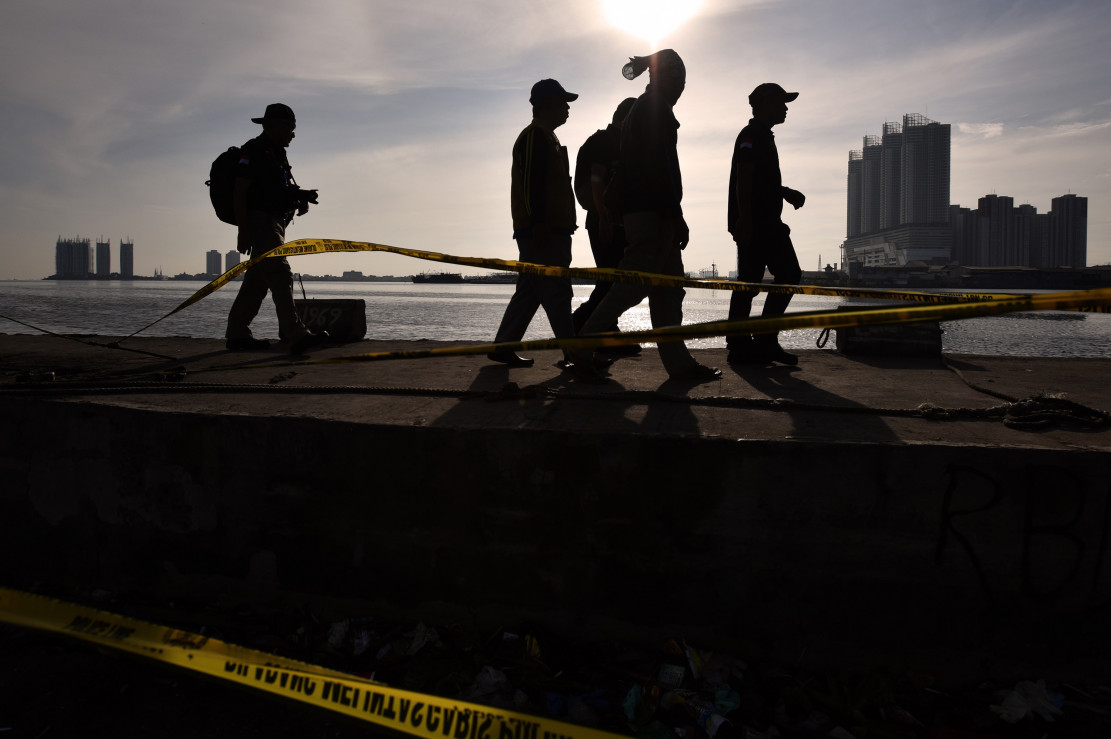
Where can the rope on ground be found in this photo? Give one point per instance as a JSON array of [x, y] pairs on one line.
[[978, 388], [1046, 411], [79, 340], [1040, 412]]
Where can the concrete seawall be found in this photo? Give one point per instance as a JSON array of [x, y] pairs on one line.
[[823, 517]]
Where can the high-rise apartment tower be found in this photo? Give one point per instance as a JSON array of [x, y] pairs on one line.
[[127, 259]]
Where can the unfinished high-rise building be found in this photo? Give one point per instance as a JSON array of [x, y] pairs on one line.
[[898, 195], [924, 177], [127, 259], [891, 187], [73, 258], [103, 258]]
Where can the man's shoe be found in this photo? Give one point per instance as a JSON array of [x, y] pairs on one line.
[[768, 348], [509, 358], [744, 349], [247, 344], [309, 341], [776, 353], [697, 373], [629, 350]]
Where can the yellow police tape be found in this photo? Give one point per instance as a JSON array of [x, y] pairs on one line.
[[1082, 300], [302, 247], [413, 713], [606, 274], [1085, 300]]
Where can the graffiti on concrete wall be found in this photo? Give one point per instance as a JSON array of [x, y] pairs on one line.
[[1045, 528]]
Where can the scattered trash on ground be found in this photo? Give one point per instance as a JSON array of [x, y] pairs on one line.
[[673, 689]]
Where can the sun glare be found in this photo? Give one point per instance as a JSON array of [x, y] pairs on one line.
[[651, 20]]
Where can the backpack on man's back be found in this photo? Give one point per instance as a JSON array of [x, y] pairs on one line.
[[221, 184], [583, 191]]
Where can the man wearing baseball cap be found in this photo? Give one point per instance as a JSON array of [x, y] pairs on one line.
[[756, 196], [544, 217]]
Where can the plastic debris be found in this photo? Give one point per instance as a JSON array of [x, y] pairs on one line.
[[532, 647], [676, 690], [671, 676], [419, 637], [337, 633], [350, 636], [838, 733], [1029, 699], [703, 713], [489, 682], [900, 716], [696, 660]]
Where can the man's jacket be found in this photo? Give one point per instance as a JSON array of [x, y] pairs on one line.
[[541, 184]]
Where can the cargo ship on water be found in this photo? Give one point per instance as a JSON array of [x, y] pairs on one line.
[[455, 278], [438, 277]]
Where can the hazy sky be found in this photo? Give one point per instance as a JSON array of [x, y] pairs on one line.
[[407, 110]]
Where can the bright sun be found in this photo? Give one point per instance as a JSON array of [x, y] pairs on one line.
[[651, 20]]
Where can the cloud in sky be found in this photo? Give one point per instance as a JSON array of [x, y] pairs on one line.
[[984, 130], [407, 110]]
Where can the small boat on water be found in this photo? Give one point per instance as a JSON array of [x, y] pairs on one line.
[[438, 277]]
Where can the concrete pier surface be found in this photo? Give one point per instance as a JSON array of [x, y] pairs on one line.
[[847, 505]]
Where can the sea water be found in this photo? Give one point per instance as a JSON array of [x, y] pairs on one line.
[[471, 312]]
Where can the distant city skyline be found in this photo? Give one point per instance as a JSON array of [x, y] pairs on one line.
[[76, 258], [898, 210], [997, 233]]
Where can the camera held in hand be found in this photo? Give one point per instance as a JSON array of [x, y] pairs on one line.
[[302, 198]]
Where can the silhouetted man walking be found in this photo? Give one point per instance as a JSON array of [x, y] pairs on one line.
[[544, 218], [595, 167], [265, 198], [650, 193], [756, 195]]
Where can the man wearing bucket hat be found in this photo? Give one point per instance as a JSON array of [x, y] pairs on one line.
[[544, 217], [266, 197], [756, 196]]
